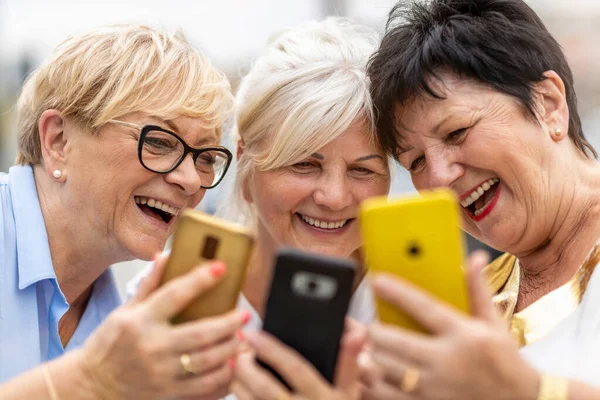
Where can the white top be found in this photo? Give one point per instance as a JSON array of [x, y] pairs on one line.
[[572, 349]]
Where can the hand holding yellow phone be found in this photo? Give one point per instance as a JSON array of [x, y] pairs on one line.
[[417, 238]]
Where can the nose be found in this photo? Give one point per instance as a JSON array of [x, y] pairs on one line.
[[333, 191], [442, 170], [185, 176]]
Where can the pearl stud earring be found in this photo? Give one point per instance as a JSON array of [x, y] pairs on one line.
[[57, 173], [558, 132]]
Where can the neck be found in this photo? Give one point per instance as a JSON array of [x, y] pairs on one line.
[[574, 233], [78, 254]]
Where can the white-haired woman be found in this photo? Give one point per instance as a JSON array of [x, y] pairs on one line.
[[307, 156], [118, 131]]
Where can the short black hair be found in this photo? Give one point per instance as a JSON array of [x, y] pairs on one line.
[[501, 43]]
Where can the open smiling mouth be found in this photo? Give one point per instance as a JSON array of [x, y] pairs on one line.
[[156, 209], [330, 226], [480, 202]]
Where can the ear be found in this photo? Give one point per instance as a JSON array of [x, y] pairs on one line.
[[245, 187], [552, 106], [246, 190], [52, 140], [240, 149]]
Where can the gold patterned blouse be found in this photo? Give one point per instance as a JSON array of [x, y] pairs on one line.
[[539, 318]]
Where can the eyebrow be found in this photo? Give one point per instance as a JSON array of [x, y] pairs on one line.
[[369, 157], [172, 126], [359, 159], [436, 128]]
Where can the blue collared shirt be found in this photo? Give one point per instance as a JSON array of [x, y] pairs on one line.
[[31, 302]]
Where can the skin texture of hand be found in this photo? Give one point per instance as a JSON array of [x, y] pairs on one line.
[[252, 382], [136, 352], [464, 357]]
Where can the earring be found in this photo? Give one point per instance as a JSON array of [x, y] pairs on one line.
[[558, 133], [57, 173]]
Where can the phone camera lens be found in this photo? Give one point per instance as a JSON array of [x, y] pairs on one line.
[[414, 250]]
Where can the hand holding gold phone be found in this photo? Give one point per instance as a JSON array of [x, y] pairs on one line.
[[203, 238], [417, 238]]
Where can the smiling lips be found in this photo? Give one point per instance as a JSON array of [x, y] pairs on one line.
[[481, 200], [329, 225], [156, 208]]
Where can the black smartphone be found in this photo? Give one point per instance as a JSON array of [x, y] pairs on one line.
[[307, 306]]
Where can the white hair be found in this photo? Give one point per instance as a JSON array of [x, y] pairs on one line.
[[307, 88]]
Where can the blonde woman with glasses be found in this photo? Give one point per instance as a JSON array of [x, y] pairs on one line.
[[118, 131]]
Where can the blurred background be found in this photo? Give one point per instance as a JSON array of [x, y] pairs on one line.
[[231, 33]]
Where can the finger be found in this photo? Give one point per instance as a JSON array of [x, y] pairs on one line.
[[293, 368], [482, 305], [354, 326], [429, 312], [393, 369], [177, 294], [196, 335], [216, 383], [241, 392], [259, 384], [150, 282], [369, 371], [414, 348], [214, 357], [352, 343], [384, 391]]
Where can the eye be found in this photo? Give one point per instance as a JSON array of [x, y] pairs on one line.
[[362, 171], [417, 164], [206, 159], [455, 136], [304, 166]]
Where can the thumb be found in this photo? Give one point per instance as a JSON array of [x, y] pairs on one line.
[[480, 297], [347, 372], [150, 282]]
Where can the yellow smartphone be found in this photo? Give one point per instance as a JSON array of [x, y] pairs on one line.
[[418, 238], [202, 238]]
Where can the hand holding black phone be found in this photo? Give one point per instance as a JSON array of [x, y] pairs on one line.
[[307, 306]]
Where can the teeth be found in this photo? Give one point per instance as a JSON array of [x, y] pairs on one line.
[[323, 224], [157, 204], [477, 193]]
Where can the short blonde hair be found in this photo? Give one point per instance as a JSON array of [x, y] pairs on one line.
[[306, 90], [117, 70]]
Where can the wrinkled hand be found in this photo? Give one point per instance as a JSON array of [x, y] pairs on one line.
[[136, 352], [252, 382], [464, 357]]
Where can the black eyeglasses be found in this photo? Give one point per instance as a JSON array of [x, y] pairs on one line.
[[161, 151]]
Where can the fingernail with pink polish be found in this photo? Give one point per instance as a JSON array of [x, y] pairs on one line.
[[217, 269], [245, 317]]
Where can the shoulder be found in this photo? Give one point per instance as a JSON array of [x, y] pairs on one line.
[[499, 271]]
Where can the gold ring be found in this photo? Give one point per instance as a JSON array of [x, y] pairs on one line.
[[186, 364], [410, 381]]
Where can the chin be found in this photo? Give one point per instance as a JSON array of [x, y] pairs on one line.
[[145, 248], [328, 250]]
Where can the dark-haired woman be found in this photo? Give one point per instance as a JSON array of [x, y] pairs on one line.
[[477, 96]]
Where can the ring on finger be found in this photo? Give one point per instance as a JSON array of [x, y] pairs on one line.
[[186, 365], [410, 381]]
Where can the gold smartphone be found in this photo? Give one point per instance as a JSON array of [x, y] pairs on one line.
[[418, 238], [202, 238]]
